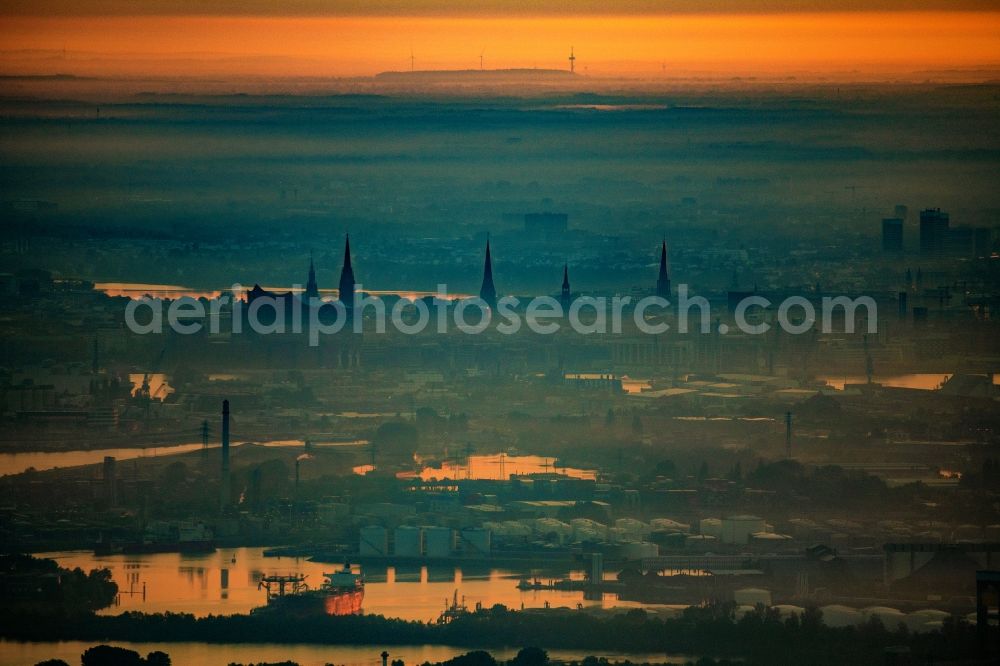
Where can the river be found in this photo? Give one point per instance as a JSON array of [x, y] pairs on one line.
[[226, 582], [15, 463], [927, 381], [136, 290]]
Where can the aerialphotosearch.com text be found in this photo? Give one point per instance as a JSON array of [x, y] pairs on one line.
[[543, 315]]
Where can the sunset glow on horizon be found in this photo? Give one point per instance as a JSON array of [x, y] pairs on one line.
[[723, 44]]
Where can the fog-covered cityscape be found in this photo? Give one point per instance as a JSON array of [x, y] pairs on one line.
[[569, 361]]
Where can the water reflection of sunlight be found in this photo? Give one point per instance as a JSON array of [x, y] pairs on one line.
[[927, 381], [136, 290], [500, 466], [216, 583], [158, 382]]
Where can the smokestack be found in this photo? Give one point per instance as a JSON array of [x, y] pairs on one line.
[[225, 435], [224, 490], [110, 481], [788, 435]]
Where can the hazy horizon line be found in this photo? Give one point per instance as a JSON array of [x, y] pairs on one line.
[[483, 8]]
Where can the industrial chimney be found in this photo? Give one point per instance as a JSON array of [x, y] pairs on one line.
[[224, 490], [788, 435]]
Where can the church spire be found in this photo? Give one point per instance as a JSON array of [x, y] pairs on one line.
[[565, 295], [347, 277], [488, 292], [312, 288], [663, 279]]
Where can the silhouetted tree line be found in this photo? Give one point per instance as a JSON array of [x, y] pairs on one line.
[[109, 655], [758, 637], [104, 655], [533, 656], [27, 583]]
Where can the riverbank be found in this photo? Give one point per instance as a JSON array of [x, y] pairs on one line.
[[19, 653]]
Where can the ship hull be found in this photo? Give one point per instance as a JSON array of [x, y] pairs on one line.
[[344, 603], [320, 602]]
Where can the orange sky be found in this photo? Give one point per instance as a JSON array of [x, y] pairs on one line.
[[360, 45]]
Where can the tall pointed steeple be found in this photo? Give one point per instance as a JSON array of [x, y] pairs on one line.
[[347, 277], [488, 292], [312, 288], [565, 295], [663, 279]]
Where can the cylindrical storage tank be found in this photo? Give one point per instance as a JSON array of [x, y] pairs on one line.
[[926, 620], [890, 617], [700, 542], [737, 529], [551, 529], [374, 540], [618, 535], [409, 541], [515, 528], [634, 530], [585, 534], [751, 596], [765, 540], [927, 627], [585, 529], [669, 540], [668, 525], [710, 527], [639, 550], [836, 616], [439, 541], [788, 610], [477, 541]]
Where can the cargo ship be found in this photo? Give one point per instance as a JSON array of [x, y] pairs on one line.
[[341, 593]]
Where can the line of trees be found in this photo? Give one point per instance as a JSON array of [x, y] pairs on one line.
[[33, 584], [763, 636]]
